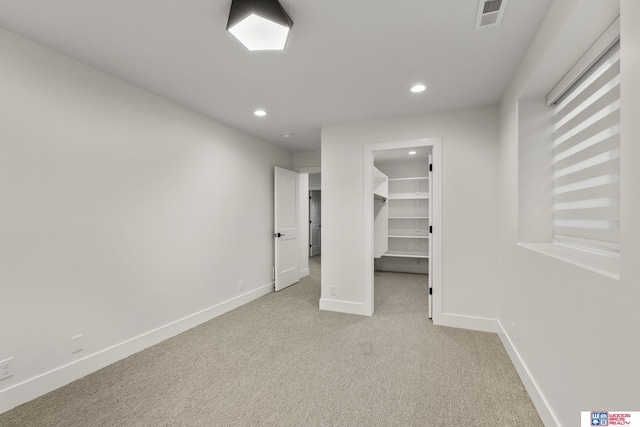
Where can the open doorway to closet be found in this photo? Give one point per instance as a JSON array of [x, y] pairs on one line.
[[405, 247], [405, 207]]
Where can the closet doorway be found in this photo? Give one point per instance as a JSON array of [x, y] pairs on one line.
[[403, 215]]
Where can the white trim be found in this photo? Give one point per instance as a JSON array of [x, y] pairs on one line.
[[605, 265], [595, 52], [345, 307], [537, 397], [46, 382], [473, 323], [304, 272]]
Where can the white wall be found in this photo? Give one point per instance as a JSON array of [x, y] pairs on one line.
[[315, 182], [575, 338], [469, 210], [306, 160], [125, 218]]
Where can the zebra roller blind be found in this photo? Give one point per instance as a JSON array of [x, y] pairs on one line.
[[587, 159]]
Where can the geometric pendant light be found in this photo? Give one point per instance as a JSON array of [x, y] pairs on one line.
[[259, 24]]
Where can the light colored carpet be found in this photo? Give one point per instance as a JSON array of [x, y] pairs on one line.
[[279, 361]]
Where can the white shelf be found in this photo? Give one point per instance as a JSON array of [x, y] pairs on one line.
[[408, 217], [408, 196], [398, 236], [409, 188], [417, 178], [407, 255]]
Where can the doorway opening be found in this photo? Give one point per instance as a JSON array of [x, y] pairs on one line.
[[403, 215], [401, 222], [315, 223], [315, 215]]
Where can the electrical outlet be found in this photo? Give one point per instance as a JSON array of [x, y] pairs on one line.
[[241, 285], [6, 368], [333, 291]]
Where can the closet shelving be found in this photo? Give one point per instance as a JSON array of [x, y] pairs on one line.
[[408, 235]]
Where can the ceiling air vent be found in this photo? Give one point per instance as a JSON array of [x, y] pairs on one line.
[[490, 13]]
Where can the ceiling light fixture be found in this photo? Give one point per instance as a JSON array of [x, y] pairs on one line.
[[259, 24], [260, 113], [412, 153], [418, 87]]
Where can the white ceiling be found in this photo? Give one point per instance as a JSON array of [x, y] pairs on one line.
[[346, 60], [401, 154]]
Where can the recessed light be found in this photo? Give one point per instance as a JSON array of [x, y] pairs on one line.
[[418, 87], [287, 134], [260, 113], [412, 153]]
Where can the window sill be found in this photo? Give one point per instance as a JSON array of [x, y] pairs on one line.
[[601, 264]]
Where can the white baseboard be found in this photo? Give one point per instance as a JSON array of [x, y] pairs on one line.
[[39, 385], [537, 397], [482, 324], [345, 307], [304, 273]]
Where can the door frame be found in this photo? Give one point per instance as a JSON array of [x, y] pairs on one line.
[[435, 259]]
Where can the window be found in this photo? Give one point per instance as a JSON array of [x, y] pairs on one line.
[[587, 158], [569, 152]]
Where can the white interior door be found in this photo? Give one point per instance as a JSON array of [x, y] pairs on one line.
[[314, 222], [286, 228], [430, 260]]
